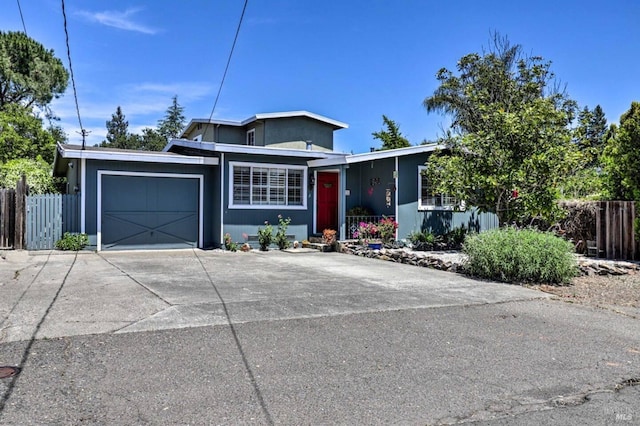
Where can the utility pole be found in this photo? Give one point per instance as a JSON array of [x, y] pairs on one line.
[[84, 133]]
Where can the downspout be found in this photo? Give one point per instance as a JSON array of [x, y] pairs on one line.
[[396, 192], [83, 196]]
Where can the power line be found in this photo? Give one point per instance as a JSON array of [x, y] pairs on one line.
[[73, 81], [22, 18], [228, 60]]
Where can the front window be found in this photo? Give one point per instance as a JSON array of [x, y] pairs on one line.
[[430, 200], [267, 186]]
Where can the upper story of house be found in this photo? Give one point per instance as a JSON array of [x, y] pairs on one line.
[[291, 130]]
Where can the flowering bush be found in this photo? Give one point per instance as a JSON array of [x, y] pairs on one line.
[[265, 236], [329, 236], [366, 231], [229, 244], [387, 229], [281, 233], [384, 230]]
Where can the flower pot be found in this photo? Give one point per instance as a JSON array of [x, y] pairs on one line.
[[375, 245]]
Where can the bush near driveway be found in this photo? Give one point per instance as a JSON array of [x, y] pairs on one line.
[[520, 256]]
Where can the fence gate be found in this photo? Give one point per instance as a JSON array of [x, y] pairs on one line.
[[44, 221], [7, 217], [48, 217], [615, 237]]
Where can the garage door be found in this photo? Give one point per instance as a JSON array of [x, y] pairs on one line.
[[149, 212]]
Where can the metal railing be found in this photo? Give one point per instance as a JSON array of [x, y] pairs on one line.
[[354, 221]]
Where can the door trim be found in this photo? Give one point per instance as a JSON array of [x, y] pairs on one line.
[[200, 178]]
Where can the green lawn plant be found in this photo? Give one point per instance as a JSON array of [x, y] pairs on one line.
[[281, 233], [229, 244], [265, 236], [72, 242], [520, 256]]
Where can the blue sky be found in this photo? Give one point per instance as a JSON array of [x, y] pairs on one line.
[[350, 60]]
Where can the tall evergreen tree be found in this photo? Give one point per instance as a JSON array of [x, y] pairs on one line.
[[172, 124], [392, 137], [30, 75], [589, 134], [118, 133]]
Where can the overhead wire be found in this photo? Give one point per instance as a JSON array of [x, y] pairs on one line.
[[73, 81], [22, 18], [233, 46]]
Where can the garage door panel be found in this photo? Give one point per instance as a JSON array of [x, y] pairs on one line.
[[145, 211]]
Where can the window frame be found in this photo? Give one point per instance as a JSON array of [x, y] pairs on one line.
[[251, 132], [269, 167], [456, 206]]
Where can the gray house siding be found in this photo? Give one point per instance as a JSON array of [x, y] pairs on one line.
[[241, 223], [410, 219], [281, 130], [230, 134], [210, 227]]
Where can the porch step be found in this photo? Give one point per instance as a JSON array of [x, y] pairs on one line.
[[317, 246], [316, 239]]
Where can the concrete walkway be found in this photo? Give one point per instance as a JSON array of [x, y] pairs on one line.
[[54, 294]]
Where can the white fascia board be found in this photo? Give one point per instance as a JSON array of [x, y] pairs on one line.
[[146, 157], [390, 153], [253, 150], [324, 162], [370, 156]]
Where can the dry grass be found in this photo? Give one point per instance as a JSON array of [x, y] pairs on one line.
[[618, 293]]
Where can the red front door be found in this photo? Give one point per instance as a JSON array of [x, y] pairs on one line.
[[327, 193]]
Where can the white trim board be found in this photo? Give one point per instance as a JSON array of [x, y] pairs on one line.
[[149, 174]]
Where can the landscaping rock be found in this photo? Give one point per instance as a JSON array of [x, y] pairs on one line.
[[453, 261]]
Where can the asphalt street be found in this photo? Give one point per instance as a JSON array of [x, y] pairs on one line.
[[196, 337]]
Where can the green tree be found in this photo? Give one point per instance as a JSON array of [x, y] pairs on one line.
[[22, 135], [392, 137], [30, 75], [172, 124], [37, 171], [621, 157], [510, 144], [152, 140], [118, 135], [589, 134]]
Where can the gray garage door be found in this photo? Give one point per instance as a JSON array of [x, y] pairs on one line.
[[149, 212]]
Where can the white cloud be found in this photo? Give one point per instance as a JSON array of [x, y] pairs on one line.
[[116, 19], [143, 104]]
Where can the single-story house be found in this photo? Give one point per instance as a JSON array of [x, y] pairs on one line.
[[230, 177]]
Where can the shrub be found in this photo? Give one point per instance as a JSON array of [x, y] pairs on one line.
[[518, 256], [329, 236], [423, 241], [265, 236], [455, 238], [387, 229], [281, 233], [72, 242], [229, 244]]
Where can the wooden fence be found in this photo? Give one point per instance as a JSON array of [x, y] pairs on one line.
[[615, 236], [13, 216]]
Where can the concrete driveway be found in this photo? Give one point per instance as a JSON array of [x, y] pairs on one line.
[[142, 291], [299, 338]]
